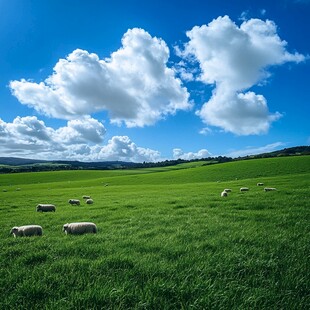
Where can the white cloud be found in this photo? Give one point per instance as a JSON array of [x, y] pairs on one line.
[[233, 59], [186, 72], [256, 150], [134, 85], [34, 135], [240, 113], [85, 130], [79, 140], [244, 15], [27, 129], [206, 131], [26, 135], [179, 154], [122, 148]]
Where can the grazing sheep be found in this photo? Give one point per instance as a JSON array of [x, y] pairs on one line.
[[260, 184], [26, 231], [86, 197], [80, 228], [227, 190], [74, 202], [224, 194], [89, 201], [45, 208], [268, 189], [244, 189]]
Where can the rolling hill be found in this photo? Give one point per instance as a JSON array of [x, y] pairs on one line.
[[166, 239], [13, 164]]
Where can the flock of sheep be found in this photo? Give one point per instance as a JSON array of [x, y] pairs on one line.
[[225, 192], [77, 202], [69, 228], [86, 227]]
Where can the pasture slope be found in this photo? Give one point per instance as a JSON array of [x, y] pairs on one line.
[[166, 239]]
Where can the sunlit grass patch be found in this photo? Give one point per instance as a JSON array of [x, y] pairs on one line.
[[166, 239]]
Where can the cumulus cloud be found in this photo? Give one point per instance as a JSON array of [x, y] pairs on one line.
[[233, 59], [134, 85], [79, 140], [85, 130], [26, 129], [26, 135], [31, 136], [179, 154], [240, 113], [122, 147]]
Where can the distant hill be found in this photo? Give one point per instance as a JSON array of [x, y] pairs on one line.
[[97, 165], [14, 161], [14, 164], [292, 151]]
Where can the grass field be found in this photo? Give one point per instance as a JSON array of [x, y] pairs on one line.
[[166, 239]]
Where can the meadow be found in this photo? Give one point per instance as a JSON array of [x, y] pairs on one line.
[[166, 239]]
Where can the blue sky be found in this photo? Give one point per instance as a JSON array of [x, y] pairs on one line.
[[152, 80]]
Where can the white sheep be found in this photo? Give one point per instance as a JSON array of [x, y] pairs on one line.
[[260, 184], [86, 197], [74, 202], [89, 201], [46, 208], [227, 190], [268, 189], [26, 231], [224, 194], [80, 228], [244, 189]]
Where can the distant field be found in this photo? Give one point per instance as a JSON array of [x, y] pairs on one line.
[[166, 239]]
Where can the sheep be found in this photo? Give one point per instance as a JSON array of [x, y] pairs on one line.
[[224, 194], [268, 189], [260, 184], [79, 228], [45, 208], [86, 197], [89, 201], [227, 190], [74, 202], [26, 231], [244, 189]]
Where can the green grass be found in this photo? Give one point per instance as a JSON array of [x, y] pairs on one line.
[[166, 239]]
